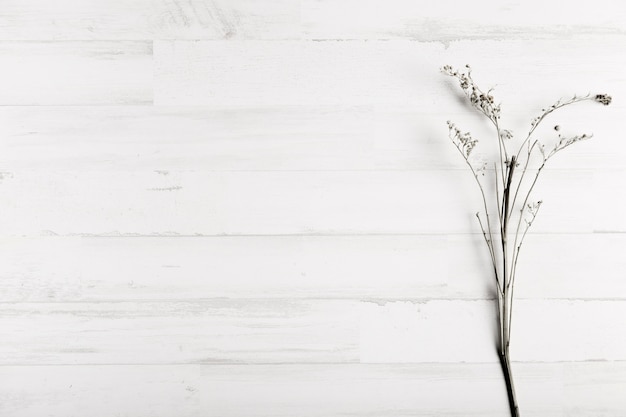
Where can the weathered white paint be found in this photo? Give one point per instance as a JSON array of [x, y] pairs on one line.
[[557, 389], [381, 73], [306, 19], [375, 267], [149, 19], [275, 330], [450, 20], [81, 73], [233, 203], [285, 202], [403, 331], [276, 138]]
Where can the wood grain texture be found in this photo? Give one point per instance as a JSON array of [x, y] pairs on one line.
[[305, 331], [148, 19], [449, 20], [244, 207], [558, 390], [377, 268], [255, 73], [281, 138], [292, 202], [399, 73], [308, 19], [83, 73]]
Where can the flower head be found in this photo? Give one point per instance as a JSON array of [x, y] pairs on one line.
[[603, 98]]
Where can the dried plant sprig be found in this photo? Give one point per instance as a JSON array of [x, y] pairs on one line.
[[514, 217], [482, 101]]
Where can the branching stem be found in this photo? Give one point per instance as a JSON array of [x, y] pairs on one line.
[[509, 187]]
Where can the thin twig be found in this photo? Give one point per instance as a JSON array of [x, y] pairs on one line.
[[507, 200]]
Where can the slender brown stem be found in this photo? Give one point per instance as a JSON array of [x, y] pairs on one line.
[[487, 234], [505, 318], [521, 178], [504, 259], [506, 195], [545, 113], [508, 378]]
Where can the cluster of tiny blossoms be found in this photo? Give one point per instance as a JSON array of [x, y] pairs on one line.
[[484, 102], [479, 99], [532, 209], [603, 99], [565, 141], [462, 140]]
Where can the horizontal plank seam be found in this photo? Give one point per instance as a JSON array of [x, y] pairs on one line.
[[315, 364], [113, 103], [575, 169], [50, 235], [349, 299], [541, 33]]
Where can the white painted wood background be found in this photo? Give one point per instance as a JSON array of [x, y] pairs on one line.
[[251, 208]]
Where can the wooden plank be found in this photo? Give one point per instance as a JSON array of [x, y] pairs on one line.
[[146, 19], [202, 331], [301, 267], [398, 73], [350, 73], [38, 73], [449, 21], [106, 269], [583, 381], [543, 330], [287, 202], [609, 202], [559, 390], [278, 138], [305, 331], [445, 21]]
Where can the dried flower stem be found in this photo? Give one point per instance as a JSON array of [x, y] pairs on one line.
[[508, 186]]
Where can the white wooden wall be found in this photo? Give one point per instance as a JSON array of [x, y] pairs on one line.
[[251, 208]]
